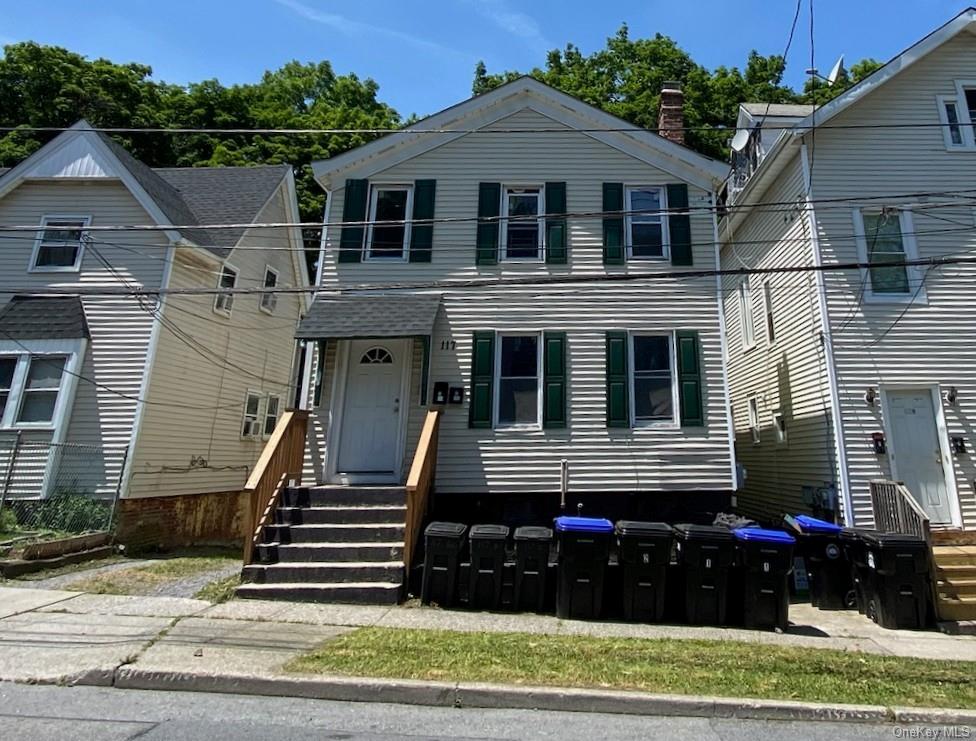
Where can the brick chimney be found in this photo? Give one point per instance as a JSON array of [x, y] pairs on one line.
[[671, 115]]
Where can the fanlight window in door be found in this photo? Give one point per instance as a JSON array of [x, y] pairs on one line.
[[376, 355]]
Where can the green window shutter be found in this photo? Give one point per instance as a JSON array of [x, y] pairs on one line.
[[613, 227], [422, 235], [554, 372], [618, 406], [689, 379], [489, 201], [679, 225], [482, 378], [555, 227], [353, 209]]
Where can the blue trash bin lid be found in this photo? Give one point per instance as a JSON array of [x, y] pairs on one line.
[[813, 525], [763, 536], [583, 525]]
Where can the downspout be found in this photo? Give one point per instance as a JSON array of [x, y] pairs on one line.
[[725, 345], [828, 343]]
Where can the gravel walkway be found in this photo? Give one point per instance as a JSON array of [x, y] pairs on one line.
[[188, 586]]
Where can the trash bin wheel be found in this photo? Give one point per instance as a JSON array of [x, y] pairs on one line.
[[850, 599], [871, 610]]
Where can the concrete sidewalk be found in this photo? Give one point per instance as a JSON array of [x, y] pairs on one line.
[[241, 646]]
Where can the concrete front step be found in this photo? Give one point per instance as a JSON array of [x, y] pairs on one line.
[[355, 593], [341, 515], [324, 496], [330, 552], [328, 572]]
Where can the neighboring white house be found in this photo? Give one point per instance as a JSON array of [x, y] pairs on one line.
[[102, 392], [842, 376], [513, 236]]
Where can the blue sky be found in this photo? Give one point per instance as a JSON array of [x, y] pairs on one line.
[[423, 54]]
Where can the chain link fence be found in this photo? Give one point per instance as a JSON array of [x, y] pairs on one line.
[[49, 488]]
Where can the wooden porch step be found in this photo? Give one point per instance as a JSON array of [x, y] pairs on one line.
[[332, 572], [957, 609], [355, 593], [331, 552], [325, 496], [954, 537], [954, 555], [359, 532], [342, 515]]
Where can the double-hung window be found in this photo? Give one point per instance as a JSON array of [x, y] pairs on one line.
[[7, 368], [42, 385], [523, 225], [272, 412], [270, 299], [768, 312], [652, 379], [60, 244], [518, 368], [754, 429], [746, 321], [251, 427], [388, 235], [957, 114], [647, 232], [224, 302], [885, 242]]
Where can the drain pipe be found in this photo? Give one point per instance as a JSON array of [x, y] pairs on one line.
[[563, 483]]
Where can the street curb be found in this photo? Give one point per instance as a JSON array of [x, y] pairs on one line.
[[491, 696], [935, 717]]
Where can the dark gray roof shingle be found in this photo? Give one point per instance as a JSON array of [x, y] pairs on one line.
[[50, 318], [366, 316]]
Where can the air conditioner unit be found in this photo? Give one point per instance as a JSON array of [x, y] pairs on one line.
[[251, 428]]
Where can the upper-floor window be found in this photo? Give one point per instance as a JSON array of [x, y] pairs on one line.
[[251, 427], [388, 235], [7, 367], [885, 241], [768, 312], [270, 299], [224, 302], [957, 114], [518, 369], [652, 379], [647, 233], [523, 227], [272, 411], [60, 244], [745, 315]]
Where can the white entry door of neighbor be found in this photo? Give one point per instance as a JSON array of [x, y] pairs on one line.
[[916, 451], [370, 424]]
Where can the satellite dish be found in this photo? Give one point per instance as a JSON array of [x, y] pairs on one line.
[[740, 140], [836, 71]]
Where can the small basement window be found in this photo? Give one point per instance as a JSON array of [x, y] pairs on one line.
[[60, 243], [269, 300], [224, 302]]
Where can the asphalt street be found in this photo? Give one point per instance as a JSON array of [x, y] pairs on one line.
[[39, 713]]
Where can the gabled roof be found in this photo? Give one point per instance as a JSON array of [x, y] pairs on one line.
[[48, 318], [181, 196], [524, 92]]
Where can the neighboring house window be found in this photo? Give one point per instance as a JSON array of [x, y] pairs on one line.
[[779, 426], [269, 300], [754, 419], [7, 367], [389, 203], [884, 239], [652, 379], [271, 413], [768, 312], [522, 224], [41, 387], [646, 226], [224, 302], [949, 116], [252, 412], [745, 315], [957, 114], [518, 368], [60, 243]]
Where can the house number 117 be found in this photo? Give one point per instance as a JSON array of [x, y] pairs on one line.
[[448, 345]]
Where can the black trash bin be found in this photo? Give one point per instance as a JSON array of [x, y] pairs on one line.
[[856, 553], [898, 590], [444, 542], [763, 562], [583, 548], [705, 555], [487, 561], [643, 551], [829, 573], [532, 545]]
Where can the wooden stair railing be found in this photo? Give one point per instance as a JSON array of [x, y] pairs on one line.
[[281, 461], [420, 483]]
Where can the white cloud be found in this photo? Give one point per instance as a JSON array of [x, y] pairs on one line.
[[352, 27], [514, 22]]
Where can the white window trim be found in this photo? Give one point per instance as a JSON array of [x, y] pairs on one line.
[[968, 134], [496, 381], [941, 102], [258, 416], [45, 220], [374, 190], [220, 277], [916, 292], [665, 224], [274, 296], [264, 417], [635, 423], [747, 322], [503, 229], [22, 351], [752, 408], [769, 319], [782, 434]]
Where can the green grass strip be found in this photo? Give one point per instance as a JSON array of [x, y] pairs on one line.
[[725, 668]]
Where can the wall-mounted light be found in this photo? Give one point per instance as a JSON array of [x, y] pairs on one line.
[[870, 396], [951, 395]]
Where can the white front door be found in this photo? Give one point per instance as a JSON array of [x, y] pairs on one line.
[[370, 424], [916, 451]]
